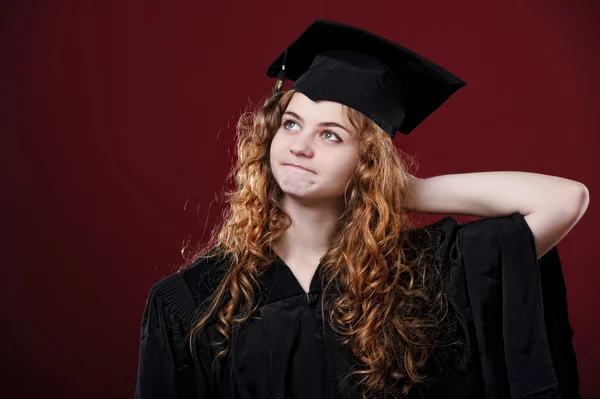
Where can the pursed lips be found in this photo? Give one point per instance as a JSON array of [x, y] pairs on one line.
[[298, 166]]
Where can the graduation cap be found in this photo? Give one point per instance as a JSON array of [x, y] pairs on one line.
[[392, 85]]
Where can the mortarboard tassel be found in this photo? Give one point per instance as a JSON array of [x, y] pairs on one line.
[[281, 75]]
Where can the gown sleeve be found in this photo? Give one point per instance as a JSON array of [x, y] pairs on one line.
[[166, 369], [517, 310]]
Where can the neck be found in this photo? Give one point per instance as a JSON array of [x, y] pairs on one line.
[[308, 235]]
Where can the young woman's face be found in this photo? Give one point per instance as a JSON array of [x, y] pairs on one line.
[[316, 136]]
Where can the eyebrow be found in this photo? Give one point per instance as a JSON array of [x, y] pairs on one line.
[[329, 124]]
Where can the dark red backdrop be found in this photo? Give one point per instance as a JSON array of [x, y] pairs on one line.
[[117, 124]]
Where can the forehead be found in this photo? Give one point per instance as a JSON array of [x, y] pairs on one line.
[[318, 111]]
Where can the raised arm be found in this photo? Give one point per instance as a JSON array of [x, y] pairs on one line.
[[551, 205]]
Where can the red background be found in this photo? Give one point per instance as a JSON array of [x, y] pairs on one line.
[[117, 124]]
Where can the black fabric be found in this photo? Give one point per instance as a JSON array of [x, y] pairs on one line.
[[510, 308], [391, 84]]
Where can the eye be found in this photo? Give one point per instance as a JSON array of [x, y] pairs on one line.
[[329, 131], [286, 125]]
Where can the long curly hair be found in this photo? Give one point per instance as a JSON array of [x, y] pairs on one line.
[[387, 297]]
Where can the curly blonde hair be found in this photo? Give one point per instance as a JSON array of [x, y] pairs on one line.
[[387, 299]]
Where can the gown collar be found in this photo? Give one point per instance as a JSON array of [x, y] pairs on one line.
[[279, 282]]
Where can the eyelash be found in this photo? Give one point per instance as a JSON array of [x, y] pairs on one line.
[[284, 124]]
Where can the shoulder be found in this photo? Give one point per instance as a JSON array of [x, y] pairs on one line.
[[440, 230], [485, 239], [496, 231], [182, 292], [449, 230], [204, 275], [447, 240], [435, 238]]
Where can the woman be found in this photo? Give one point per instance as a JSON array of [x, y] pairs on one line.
[[316, 286]]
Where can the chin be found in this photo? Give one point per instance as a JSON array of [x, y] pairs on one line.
[[311, 197]]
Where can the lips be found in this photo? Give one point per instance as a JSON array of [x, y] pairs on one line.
[[298, 166]]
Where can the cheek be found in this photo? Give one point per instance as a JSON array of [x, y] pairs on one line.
[[273, 150], [344, 170], [276, 153], [276, 145]]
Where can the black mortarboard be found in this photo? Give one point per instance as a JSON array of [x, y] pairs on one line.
[[392, 85]]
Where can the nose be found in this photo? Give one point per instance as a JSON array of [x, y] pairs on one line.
[[302, 145]]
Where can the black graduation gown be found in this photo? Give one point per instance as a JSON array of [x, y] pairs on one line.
[[511, 311]]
